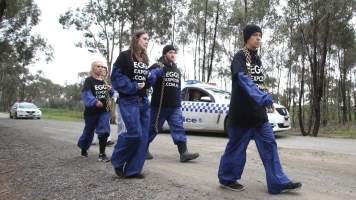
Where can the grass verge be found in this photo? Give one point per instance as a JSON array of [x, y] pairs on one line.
[[61, 114]]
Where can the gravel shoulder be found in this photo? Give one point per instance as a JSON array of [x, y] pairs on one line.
[[39, 160]]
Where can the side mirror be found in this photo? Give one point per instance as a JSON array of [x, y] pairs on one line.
[[206, 99]]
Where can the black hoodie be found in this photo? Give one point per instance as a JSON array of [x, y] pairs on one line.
[[248, 101], [172, 85]]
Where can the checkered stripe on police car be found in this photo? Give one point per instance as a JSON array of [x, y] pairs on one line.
[[205, 107]]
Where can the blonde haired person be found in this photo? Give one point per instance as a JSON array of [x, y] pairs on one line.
[[110, 141], [95, 94]]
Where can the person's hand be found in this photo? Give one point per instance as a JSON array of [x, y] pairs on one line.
[[141, 85], [99, 104]]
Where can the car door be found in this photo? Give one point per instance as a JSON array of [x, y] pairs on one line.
[[199, 113], [187, 114]]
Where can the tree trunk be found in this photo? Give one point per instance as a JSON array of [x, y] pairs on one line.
[[245, 14], [195, 56], [318, 67], [300, 102], [173, 19], [342, 69], [354, 108], [199, 68], [210, 68], [349, 99], [2, 9], [204, 40]]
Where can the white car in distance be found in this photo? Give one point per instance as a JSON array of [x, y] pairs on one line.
[[25, 110]]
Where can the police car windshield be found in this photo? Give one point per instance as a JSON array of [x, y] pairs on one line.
[[220, 92]]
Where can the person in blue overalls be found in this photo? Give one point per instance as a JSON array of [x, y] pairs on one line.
[[248, 120], [129, 76], [95, 94], [166, 102]]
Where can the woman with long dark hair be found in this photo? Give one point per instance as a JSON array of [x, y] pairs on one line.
[[129, 76]]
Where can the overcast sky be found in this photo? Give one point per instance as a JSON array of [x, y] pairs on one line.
[[69, 60]]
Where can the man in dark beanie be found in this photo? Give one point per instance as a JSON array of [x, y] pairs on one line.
[[248, 120], [249, 30], [166, 102]]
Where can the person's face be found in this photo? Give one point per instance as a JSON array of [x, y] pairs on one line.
[[255, 40], [171, 56], [104, 72], [99, 69], [143, 40]]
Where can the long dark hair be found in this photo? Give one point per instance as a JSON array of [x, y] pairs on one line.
[[138, 53]]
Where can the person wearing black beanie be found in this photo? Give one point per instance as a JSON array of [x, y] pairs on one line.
[[168, 48], [249, 30], [248, 120], [166, 102]]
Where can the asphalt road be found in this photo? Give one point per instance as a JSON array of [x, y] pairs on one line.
[[39, 160]]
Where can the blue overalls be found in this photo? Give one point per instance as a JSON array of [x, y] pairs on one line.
[[130, 149], [233, 161], [174, 118], [98, 122]]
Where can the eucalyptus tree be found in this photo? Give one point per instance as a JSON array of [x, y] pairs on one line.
[[19, 48]]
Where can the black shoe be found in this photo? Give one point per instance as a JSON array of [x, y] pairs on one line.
[[110, 143], [119, 172], [292, 186], [185, 157], [237, 187], [137, 176], [84, 153], [149, 156], [103, 158]]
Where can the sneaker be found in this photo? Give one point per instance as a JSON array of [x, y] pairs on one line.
[[149, 156], [237, 187], [84, 153], [103, 158], [110, 143], [292, 186]]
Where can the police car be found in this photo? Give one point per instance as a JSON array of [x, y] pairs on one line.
[[205, 108]]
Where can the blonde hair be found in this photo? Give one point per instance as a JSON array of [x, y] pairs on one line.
[[138, 53], [93, 65]]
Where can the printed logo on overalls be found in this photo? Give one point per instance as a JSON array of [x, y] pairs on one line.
[[140, 71]]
